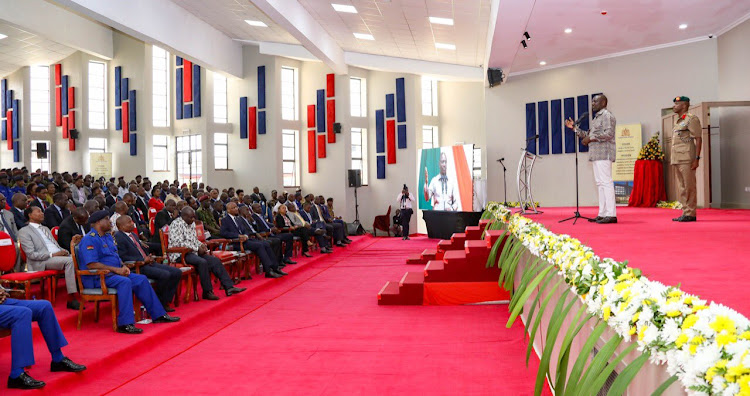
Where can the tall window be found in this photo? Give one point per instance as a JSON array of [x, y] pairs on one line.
[[429, 97], [358, 96], [97, 145], [290, 157], [161, 153], [39, 83], [189, 162], [477, 163], [289, 90], [359, 152], [220, 99], [221, 151], [160, 87], [97, 95], [430, 137], [40, 163]]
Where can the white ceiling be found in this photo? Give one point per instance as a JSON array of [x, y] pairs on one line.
[[22, 48], [628, 26]]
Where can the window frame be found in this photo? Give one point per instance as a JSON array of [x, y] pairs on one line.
[[296, 160], [362, 97], [98, 149], [295, 93], [363, 157], [158, 87], [39, 85], [429, 97], [91, 101], [225, 106], [476, 166], [226, 145], [41, 161], [158, 146], [433, 134], [193, 152]]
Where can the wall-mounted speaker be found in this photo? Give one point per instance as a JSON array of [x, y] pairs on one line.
[[337, 127], [355, 178], [74, 134], [41, 150], [495, 76]]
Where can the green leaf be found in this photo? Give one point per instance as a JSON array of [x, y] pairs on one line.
[[492, 259], [538, 319], [583, 357], [601, 379], [512, 266], [626, 376], [598, 363], [526, 295], [556, 321], [542, 286], [528, 273], [663, 387], [562, 362]]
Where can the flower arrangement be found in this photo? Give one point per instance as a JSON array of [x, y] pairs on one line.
[[704, 345], [652, 150], [669, 205]]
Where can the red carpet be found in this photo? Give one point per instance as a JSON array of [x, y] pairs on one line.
[[709, 257], [317, 331]]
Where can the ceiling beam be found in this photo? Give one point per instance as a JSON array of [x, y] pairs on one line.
[[59, 25], [166, 24], [441, 71], [512, 17], [294, 18]]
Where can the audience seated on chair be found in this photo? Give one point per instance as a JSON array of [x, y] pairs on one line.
[[233, 228], [55, 214]]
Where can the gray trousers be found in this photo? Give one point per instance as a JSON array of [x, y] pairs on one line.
[[59, 263]]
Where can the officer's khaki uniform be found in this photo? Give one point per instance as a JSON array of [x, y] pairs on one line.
[[687, 128]]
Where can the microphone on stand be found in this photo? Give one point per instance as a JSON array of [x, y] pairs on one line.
[[535, 137], [501, 159], [580, 119]]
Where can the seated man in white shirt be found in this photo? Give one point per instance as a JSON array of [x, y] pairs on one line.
[[44, 253]]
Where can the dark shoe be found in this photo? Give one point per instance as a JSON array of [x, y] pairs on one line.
[[289, 261], [596, 219], [236, 281], [306, 254], [24, 381], [272, 274], [129, 329], [74, 304], [347, 240], [607, 220], [687, 219], [339, 244], [280, 272], [235, 290], [166, 319], [210, 296], [319, 231], [407, 238], [678, 218], [281, 265], [168, 309], [66, 365]]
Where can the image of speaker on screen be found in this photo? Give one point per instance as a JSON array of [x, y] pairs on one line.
[[446, 180]]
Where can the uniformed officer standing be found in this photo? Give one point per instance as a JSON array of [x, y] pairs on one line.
[[686, 153], [97, 251]]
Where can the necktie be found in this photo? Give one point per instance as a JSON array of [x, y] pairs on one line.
[[138, 245], [7, 228], [236, 224], [82, 231], [41, 202]]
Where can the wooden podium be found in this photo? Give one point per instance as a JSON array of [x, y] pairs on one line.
[[703, 173]]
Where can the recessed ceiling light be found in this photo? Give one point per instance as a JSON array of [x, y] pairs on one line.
[[2, 36], [568, 30], [445, 46], [683, 26], [542, 63], [255, 23], [442, 21], [364, 36], [344, 8]]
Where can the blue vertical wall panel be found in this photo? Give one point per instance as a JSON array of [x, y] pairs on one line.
[[243, 117], [569, 111], [178, 91], [16, 113], [133, 144], [118, 119], [196, 90], [4, 92], [4, 127], [583, 106], [381, 166], [543, 116], [401, 99], [531, 127], [321, 109], [16, 151], [118, 88], [261, 87], [64, 96], [402, 136], [178, 61], [132, 124], [123, 88], [8, 99], [187, 111], [261, 122], [390, 110], [379, 131], [555, 122]]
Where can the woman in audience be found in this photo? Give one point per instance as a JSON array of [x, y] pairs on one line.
[[155, 201], [282, 221]]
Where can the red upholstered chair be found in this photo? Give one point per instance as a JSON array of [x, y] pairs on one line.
[[234, 261], [151, 213], [55, 230], [189, 275], [382, 223], [21, 280]]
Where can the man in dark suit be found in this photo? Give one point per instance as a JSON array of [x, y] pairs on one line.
[[56, 213], [141, 201], [76, 224], [232, 227], [319, 229], [267, 230], [111, 198], [131, 249], [337, 229], [163, 218], [34, 194], [18, 205]]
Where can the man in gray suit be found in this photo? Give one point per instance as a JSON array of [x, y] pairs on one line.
[[79, 193], [43, 252], [8, 225]]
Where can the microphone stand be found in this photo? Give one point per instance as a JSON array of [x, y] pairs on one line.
[[576, 214], [505, 184]]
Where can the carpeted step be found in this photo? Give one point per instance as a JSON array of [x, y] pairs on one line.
[[446, 245], [411, 288], [416, 259], [434, 271], [429, 254], [389, 294], [460, 268], [484, 223], [492, 236], [477, 249], [473, 233], [458, 239]]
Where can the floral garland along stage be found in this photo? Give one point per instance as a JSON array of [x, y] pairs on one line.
[[706, 345]]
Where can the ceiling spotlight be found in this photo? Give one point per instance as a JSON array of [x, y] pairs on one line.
[[526, 34], [255, 23], [441, 21], [364, 36], [542, 63], [344, 8], [523, 42], [444, 46], [568, 30], [683, 26]]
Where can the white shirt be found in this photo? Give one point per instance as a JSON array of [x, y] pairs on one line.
[[404, 203], [441, 193], [113, 220], [52, 246]]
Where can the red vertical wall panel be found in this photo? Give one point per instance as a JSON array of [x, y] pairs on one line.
[[71, 98], [71, 119], [252, 127], [58, 106], [65, 129], [311, 116], [321, 146], [330, 119], [312, 165], [58, 74], [125, 122], [187, 81], [330, 88], [9, 126], [390, 138], [71, 145]]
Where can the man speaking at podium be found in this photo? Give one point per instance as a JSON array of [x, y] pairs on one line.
[[441, 192], [601, 141]]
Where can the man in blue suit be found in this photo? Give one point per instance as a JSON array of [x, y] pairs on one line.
[[267, 230], [334, 230], [318, 227], [232, 227], [18, 204], [131, 249], [17, 316]]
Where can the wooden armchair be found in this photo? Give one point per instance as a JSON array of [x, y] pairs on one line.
[[189, 275], [95, 295], [382, 223], [234, 261]]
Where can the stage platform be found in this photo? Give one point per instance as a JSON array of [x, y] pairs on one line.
[[708, 258]]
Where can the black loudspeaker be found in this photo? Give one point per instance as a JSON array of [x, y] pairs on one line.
[[41, 150], [337, 127], [355, 178], [495, 76], [74, 134]]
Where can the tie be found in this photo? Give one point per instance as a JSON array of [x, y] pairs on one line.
[[60, 211], [265, 223], [82, 231], [7, 227], [41, 202], [236, 224], [138, 245]]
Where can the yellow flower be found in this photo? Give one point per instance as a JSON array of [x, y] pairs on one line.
[[695, 343], [635, 317], [745, 335], [735, 372], [723, 323], [674, 293], [689, 321], [620, 286], [681, 340], [697, 308], [607, 312], [725, 338], [674, 313], [744, 385], [688, 300], [632, 330], [641, 333]]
